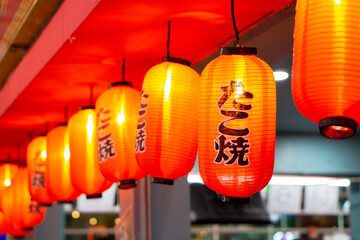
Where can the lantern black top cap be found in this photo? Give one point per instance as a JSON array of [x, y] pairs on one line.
[[61, 124], [86, 107], [238, 51], [176, 60], [120, 83]]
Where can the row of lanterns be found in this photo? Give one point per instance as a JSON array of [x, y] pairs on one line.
[[229, 118]]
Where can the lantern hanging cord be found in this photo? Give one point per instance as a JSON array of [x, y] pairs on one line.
[[123, 70], [66, 113], [168, 40], [91, 95], [47, 127], [19, 154], [237, 41]]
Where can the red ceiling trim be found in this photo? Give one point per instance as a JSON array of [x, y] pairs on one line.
[[69, 16]]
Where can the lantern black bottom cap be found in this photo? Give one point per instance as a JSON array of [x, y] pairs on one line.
[[127, 184], [235, 200], [28, 229], [337, 127], [93, 196], [64, 202], [164, 181], [45, 204]]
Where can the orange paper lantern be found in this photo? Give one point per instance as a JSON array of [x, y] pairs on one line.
[[27, 213], [20, 212], [117, 110], [325, 84], [58, 179], [85, 172], [166, 142], [237, 117], [36, 157]]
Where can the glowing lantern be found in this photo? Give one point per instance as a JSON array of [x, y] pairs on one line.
[[85, 172], [166, 142], [8, 171], [325, 84], [36, 163], [237, 116], [117, 110], [27, 213], [58, 179], [20, 212]]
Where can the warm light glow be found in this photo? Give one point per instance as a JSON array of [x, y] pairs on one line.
[[90, 127], [117, 220], [7, 176], [121, 116], [67, 154], [7, 182], [93, 221], [167, 87], [239, 88], [337, 2], [280, 75], [43, 154], [75, 214]]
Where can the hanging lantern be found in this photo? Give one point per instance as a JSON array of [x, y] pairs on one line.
[[325, 84], [18, 208], [8, 171], [27, 213], [166, 142], [58, 179], [237, 116], [117, 110], [85, 172], [36, 163]]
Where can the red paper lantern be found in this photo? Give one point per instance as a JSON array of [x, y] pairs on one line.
[[325, 84], [166, 144], [85, 172], [27, 213], [20, 212], [237, 116], [36, 157], [58, 178], [117, 110]]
